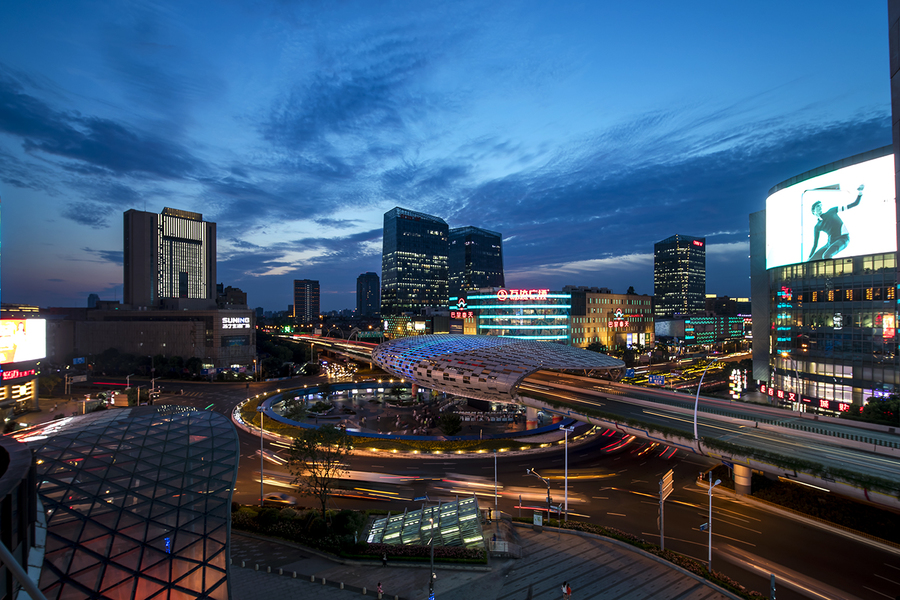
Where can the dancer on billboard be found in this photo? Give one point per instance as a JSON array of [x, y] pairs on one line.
[[833, 226]]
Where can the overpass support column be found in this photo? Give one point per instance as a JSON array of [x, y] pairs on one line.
[[531, 418], [414, 390], [742, 474]]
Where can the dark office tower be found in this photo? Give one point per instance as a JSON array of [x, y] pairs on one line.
[[93, 299], [475, 260], [413, 262], [679, 276], [306, 300], [368, 294], [168, 255]]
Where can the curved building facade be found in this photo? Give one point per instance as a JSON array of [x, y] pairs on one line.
[[824, 270], [480, 366]]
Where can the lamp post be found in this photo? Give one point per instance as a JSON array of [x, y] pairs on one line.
[[259, 409], [128, 381], [534, 473], [495, 478], [709, 525], [568, 430], [697, 399]]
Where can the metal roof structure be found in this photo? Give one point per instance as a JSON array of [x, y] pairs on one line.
[[448, 524], [480, 366], [138, 502]]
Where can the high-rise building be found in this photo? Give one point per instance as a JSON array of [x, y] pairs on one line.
[[168, 255], [413, 262], [368, 294], [475, 260], [306, 299], [679, 276]]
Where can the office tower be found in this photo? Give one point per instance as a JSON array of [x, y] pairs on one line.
[[368, 294], [679, 276], [168, 255], [93, 299], [475, 260], [413, 262], [306, 300]]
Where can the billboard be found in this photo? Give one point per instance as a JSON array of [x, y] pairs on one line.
[[847, 212], [22, 340]]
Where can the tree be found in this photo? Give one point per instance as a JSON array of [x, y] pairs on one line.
[[397, 392], [325, 390], [49, 383], [450, 424], [317, 461], [597, 347], [630, 290]]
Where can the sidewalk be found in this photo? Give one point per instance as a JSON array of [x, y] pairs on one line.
[[594, 567]]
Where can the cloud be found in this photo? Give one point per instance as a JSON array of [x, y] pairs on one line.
[[114, 256]]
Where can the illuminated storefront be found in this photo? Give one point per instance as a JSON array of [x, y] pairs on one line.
[[825, 287], [23, 344], [525, 314], [613, 320]]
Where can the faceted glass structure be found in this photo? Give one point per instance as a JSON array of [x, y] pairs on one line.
[[138, 503], [679, 276], [475, 260], [450, 524]]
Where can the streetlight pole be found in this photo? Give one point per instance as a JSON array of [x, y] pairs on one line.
[[261, 464], [697, 399], [534, 473], [709, 525], [495, 478], [566, 484]]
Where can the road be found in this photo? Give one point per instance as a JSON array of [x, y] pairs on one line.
[[613, 482]]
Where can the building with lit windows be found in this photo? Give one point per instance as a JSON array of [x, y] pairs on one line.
[[475, 260], [306, 300], [413, 262], [532, 314], [679, 276], [616, 321], [368, 294], [171, 255], [23, 344], [824, 285]]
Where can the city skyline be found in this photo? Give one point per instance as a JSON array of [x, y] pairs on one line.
[[583, 133]]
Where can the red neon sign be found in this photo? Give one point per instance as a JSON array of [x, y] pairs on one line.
[[504, 294], [697, 243], [461, 314], [15, 374], [617, 323]]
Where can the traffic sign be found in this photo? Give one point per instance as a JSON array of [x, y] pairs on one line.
[[666, 485], [657, 380], [629, 372]]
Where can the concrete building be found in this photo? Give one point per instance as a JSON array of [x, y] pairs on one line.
[[368, 294], [306, 300], [679, 276], [616, 321], [532, 314], [475, 260], [413, 262], [168, 255]]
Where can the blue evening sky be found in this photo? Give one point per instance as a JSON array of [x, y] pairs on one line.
[[582, 131]]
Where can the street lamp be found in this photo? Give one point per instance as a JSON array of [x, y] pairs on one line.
[[495, 478], [128, 381], [534, 473], [697, 399], [568, 430], [709, 524], [259, 409]]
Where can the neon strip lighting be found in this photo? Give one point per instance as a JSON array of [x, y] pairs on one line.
[[494, 297], [523, 327], [523, 316], [537, 337], [514, 306]]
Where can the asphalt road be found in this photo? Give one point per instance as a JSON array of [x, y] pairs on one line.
[[614, 482]]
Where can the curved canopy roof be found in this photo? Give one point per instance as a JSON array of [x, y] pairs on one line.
[[480, 366]]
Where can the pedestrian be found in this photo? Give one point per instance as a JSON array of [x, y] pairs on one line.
[[568, 591], [384, 559], [565, 590], [378, 589]]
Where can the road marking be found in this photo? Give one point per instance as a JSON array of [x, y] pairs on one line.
[[724, 537], [616, 514], [600, 497], [876, 591], [892, 566], [886, 579]]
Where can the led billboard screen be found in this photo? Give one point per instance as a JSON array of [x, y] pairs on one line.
[[22, 340], [843, 213]]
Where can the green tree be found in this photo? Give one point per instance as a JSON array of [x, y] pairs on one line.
[[49, 383], [194, 365], [317, 461], [450, 424], [397, 392], [325, 390], [630, 290], [597, 347]]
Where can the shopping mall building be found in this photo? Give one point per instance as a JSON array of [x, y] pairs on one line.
[[824, 285]]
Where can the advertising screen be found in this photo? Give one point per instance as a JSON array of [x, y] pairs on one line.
[[22, 339], [847, 212]]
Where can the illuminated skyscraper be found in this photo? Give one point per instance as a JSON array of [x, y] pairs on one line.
[[413, 262], [679, 276], [475, 260], [368, 294], [168, 255], [306, 300]]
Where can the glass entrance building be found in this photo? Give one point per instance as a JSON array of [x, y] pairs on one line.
[[532, 314]]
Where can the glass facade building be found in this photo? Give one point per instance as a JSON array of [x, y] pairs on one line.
[[306, 300], [679, 276], [475, 260], [533, 314], [138, 503], [368, 294], [413, 262], [827, 339]]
